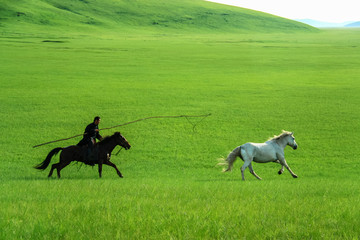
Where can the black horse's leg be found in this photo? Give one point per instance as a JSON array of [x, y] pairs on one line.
[[114, 166], [60, 167], [58, 172], [100, 163], [52, 169], [63, 163], [100, 169], [56, 165]]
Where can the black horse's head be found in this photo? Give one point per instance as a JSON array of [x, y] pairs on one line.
[[121, 140]]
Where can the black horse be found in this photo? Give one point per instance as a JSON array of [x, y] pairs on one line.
[[102, 149]]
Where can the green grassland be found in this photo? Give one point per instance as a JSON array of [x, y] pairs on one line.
[[56, 75]]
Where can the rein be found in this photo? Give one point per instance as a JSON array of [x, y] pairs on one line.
[[121, 148]]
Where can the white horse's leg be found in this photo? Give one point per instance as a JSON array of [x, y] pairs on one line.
[[281, 170], [253, 172], [282, 167], [247, 162], [284, 164]]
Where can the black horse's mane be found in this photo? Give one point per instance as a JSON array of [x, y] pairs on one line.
[[108, 138]]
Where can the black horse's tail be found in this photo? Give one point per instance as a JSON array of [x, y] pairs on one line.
[[46, 162]]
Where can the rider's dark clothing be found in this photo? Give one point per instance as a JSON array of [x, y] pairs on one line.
[[89, 139], [90, 135]]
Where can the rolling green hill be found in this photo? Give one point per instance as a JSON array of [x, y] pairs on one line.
[[137, 15]]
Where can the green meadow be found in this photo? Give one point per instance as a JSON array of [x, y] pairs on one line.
[[57, 73]]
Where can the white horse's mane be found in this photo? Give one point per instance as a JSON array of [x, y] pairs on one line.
[[282, 135]]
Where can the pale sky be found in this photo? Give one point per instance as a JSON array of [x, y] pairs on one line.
[[334, 11]]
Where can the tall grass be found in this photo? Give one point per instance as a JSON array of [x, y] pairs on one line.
[[152, 209]]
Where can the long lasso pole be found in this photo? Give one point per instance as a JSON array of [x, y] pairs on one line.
[[127, 123]]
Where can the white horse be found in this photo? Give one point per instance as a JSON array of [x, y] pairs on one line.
[[269, 151]]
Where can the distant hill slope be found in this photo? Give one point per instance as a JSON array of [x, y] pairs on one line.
[[354, 24], [138, 15]]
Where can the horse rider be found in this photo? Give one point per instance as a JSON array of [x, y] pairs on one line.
[[89, 139]]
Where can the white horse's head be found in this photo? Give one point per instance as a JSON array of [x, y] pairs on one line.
[[286, 138], [291, 140]]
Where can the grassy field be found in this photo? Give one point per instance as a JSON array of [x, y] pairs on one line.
[[254, 85]]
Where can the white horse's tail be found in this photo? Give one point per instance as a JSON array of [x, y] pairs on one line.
[[229, 161]]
